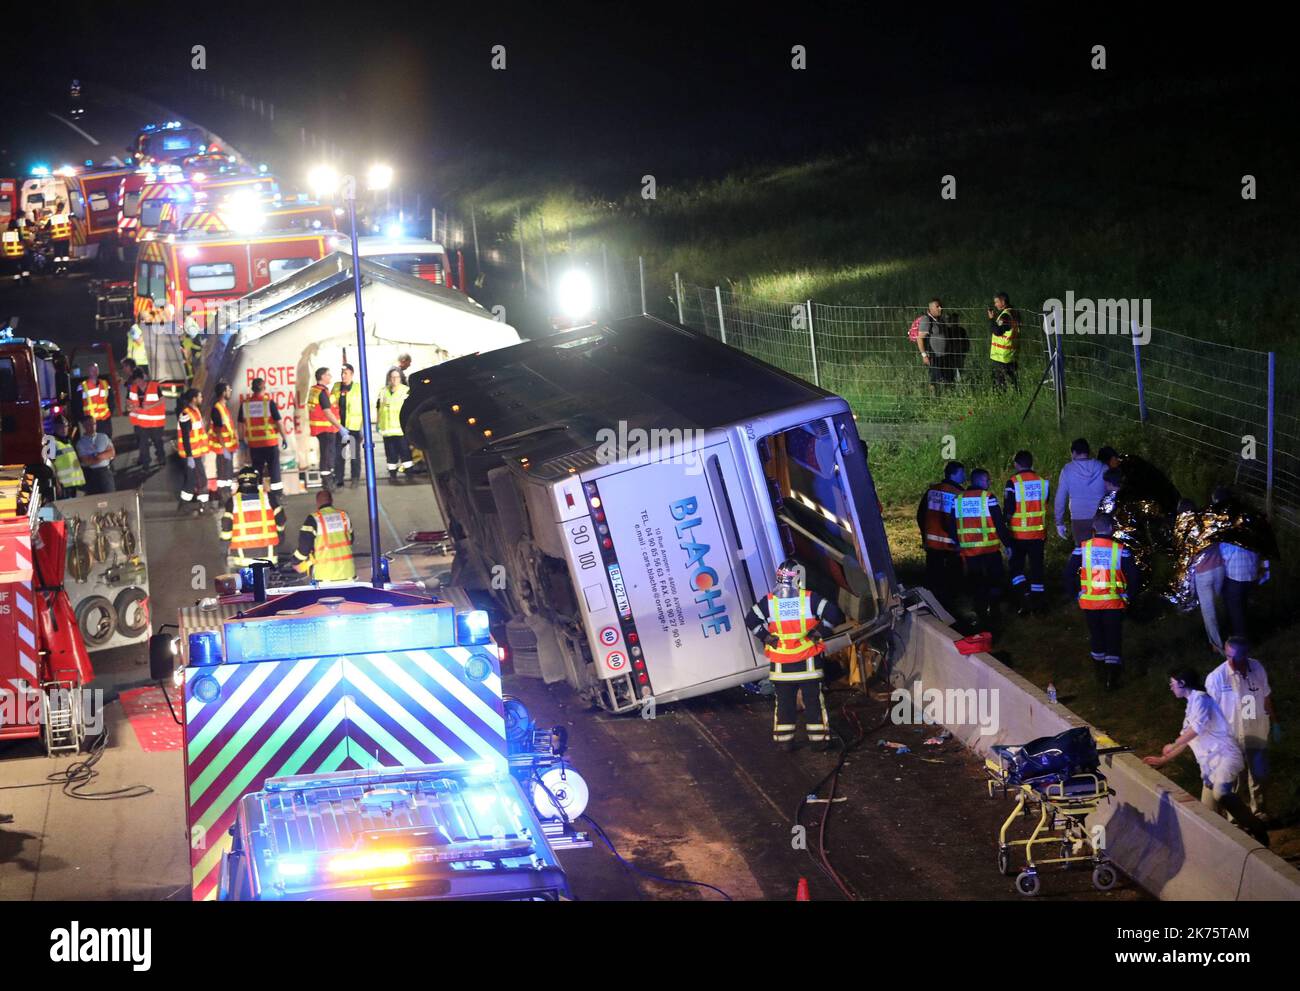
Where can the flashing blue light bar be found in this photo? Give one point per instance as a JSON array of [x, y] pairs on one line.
[[280, 638], [40, 170], [473, 628], [205, 648]]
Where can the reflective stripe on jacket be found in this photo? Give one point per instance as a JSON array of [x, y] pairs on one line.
[[352, 421], [1028, 519], [1102, 584], [198, 435], [259, 425], [976, 531], [1003, 347], [67, 466], [316, 418], [940, 500], [390, 410], [223, 436], [252, 522], [94, 400]]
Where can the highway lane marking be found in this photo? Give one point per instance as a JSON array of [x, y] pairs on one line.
[[73, 126], [716, 744]]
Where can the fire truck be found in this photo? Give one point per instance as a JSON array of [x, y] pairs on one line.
[[167, 142], [44, 664], [193, 273], [168, 202], [94, 196]]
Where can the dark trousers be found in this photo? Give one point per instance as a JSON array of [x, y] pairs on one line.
[[267, 461], [147, 438], [99, 481], [196, 482], [1004, 375], [397, 453], [984, 577], [1026, 567], [1235, 597], [786, 717], [1105, 634], [329, 456], [942, 575]]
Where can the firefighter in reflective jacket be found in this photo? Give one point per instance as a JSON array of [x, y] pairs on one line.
[[94, 402], [938, 525], [223, 439], [191, 446], [389, 408], [261, 427], [148, 413], [325, 543], [1101, 572], [981, 535], [324, 424], [67, 466], [1004, 341], [1024, 505], [792, 622], [252, 521]]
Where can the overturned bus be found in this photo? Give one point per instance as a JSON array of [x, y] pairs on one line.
[[625, 490]]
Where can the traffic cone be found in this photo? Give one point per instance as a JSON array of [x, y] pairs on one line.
[[801, 891]]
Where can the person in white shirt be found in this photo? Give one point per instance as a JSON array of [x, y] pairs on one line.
[[1242, 568], [1207, 733], [1240, 688]]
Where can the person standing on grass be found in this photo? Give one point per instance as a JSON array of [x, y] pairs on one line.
[[932, 342], [1207, 733], [1024, 505], [981, 535], [1240, 688], [1242, 568], [937, 522], [1103, 577], [1080, 486], [1206, 572], [1004, 343]]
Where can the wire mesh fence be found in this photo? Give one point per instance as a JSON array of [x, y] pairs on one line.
[[1235, 408]]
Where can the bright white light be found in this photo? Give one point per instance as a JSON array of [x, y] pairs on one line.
[[379, 177], [574, 294], [323, 180], [199, 177], [394, 230], [67, 170], [242, 212], [191, 252]]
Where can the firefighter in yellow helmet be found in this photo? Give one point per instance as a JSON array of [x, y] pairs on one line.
[[792, 623], [325, 543], [252, 521]]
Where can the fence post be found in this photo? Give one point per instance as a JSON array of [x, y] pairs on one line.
[[1272, 405], [1055, 343], [640, 264], [677, 284], [473, 223], [812, 345], [546, 264], [523, 270], [722, 324], [1137, 364]]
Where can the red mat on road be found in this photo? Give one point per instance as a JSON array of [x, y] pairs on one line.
[[146, 710]]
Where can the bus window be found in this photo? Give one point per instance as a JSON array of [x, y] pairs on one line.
[[280, 267], [212, 277], [99, 203], [814, 513]]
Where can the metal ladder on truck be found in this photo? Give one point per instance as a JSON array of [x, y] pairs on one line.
[[65, 725]]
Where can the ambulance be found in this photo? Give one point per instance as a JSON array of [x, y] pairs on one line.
[[94, 198], [637, 483], [167, 142]]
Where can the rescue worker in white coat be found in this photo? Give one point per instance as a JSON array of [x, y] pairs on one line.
[[252, 521], [325, 543], [792, 622]]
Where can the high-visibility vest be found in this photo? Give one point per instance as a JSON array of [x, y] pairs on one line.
[[13, 242], [316, 418], [939, 501], [1101, 576], [259, 425], [67, 466], [1003, 348], [353, 419], [198, 435], [149, 408], [976, 532], [94, 400], [223, 436], [390, 410], [331, 556], [253, 522], [135, 350], [60, 227], [1028, 517], [791, 620]]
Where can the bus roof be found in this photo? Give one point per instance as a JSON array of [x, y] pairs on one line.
[[639, 370]]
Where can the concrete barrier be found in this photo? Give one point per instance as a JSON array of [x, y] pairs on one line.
[[1158, 834]]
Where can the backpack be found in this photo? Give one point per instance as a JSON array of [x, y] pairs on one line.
[[914, 331]]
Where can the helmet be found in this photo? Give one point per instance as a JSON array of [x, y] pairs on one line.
[[249, 479], [788, 573]]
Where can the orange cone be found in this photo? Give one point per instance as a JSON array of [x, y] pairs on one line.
[[801, 892]]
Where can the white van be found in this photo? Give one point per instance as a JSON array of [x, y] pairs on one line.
[[625, 491]]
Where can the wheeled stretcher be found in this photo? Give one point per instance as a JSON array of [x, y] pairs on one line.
[[1060, 778]]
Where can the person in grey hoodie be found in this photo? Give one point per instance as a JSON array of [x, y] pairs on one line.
[[1081, 486]]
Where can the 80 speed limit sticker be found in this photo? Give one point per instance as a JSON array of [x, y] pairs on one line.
[[609, 636]]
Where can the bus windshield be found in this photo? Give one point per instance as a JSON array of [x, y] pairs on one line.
[[814, 510]]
